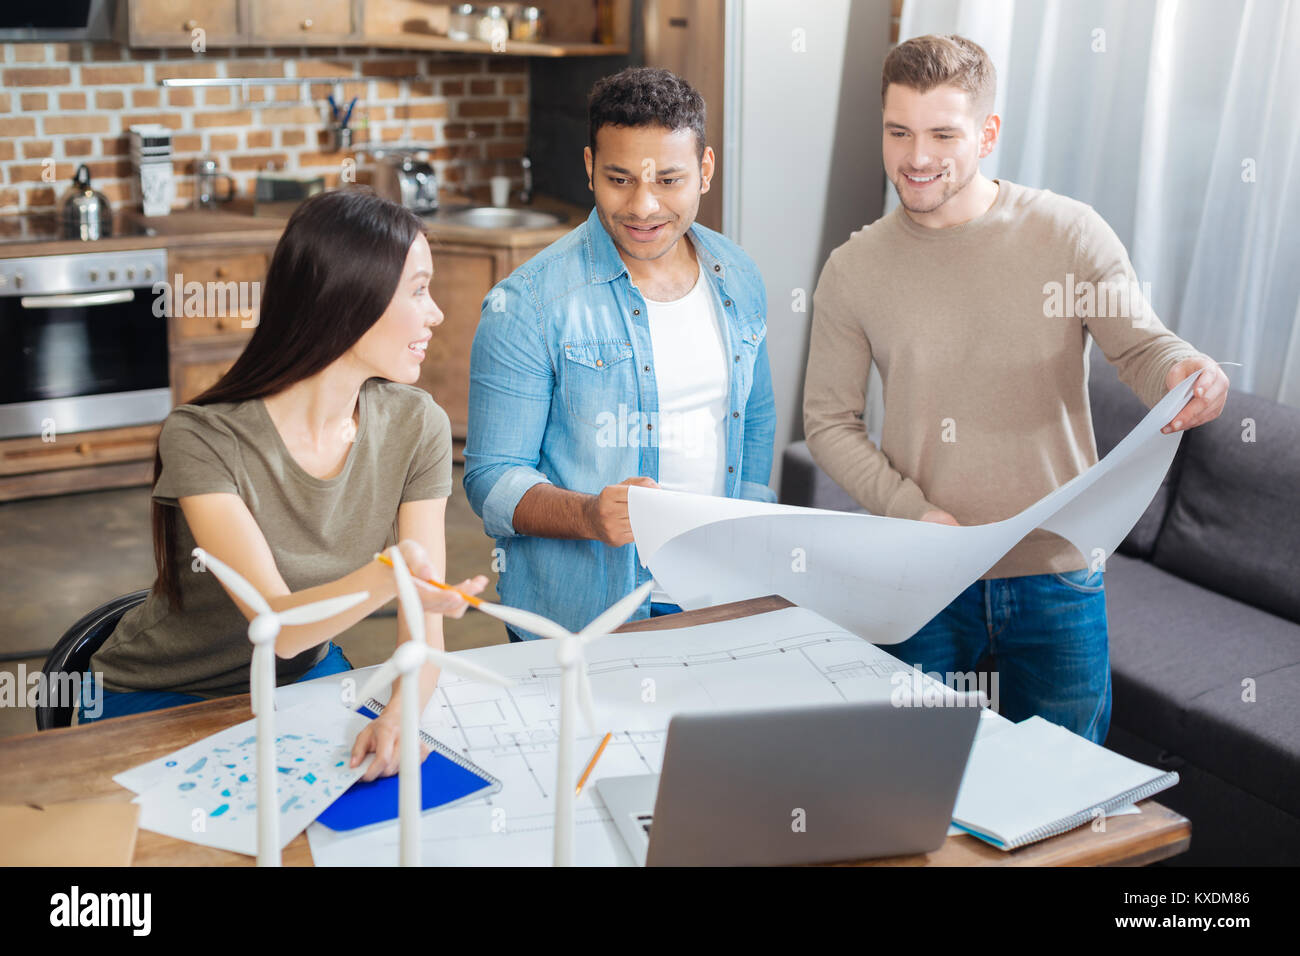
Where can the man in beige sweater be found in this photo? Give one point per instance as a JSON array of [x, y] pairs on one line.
[[977, 299]]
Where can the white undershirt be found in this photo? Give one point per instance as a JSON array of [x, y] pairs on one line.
[[692, 376]]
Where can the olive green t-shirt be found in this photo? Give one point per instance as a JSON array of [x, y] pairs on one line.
[[318, 529]]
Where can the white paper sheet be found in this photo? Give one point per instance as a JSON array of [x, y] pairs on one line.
[[884, 578], [206, 793], [639, 681]]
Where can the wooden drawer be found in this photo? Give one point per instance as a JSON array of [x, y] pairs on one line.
[[78, 449], [218, 295], [301, 21], [173, 22]]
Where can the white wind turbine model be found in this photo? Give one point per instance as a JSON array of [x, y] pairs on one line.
[[262, 631], [406, 662], [575, 682]]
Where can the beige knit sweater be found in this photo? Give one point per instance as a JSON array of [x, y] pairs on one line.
[[980, 332]]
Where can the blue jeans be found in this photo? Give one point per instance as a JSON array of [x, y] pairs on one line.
[[1047, 636], [656, 610], [138, 702]]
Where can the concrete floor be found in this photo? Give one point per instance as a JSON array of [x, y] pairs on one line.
[[61, 557]]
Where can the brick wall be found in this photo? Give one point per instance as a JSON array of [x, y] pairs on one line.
[[74, 103]]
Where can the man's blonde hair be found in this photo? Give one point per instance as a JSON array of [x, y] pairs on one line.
[[925, 62]]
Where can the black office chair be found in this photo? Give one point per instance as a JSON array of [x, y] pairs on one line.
[[71, 655]]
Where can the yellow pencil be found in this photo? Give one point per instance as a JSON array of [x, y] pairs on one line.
[[592, 764], [469, 598]]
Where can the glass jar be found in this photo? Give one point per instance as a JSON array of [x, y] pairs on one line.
[[493, 27], [528, 25], [463, 24]]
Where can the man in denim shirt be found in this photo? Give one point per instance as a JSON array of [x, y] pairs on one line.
[[618, 355]]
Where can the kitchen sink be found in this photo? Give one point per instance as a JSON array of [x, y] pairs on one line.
[[495, 217]]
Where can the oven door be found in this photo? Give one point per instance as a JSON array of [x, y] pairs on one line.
[[79, 361]]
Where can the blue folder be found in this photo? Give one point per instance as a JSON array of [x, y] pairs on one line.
[[446, 778]]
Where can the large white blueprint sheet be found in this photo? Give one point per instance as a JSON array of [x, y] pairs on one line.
[[639, 680], [884, 578]]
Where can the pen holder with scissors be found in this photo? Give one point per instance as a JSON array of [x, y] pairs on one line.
[[340, 131]]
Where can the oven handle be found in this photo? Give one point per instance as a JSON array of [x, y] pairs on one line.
[[77, 299]]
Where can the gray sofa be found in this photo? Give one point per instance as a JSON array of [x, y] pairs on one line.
[[1203, 604]]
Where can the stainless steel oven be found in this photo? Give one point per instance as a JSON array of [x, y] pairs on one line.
[[80, 344]]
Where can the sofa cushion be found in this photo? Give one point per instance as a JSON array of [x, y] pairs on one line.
[[1115, 411], [1254, 733], [1234, 523], [1178, 655], [1230, 827], [804, 484]]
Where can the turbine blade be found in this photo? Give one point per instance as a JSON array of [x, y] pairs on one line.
[[456, 664], [386, 674], [320, 610], [407, 596], [615, 614], [524, 619], [232, 580]]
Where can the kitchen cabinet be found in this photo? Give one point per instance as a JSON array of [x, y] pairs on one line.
[[206, 334], [231, 280], [108, 458], [571, 25], [171, 23], [239, 23], [463, 274], [307, 22]]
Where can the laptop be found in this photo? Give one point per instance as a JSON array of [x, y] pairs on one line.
[[812, 784]]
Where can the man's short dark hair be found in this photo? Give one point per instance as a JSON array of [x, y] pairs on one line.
[[646, 96], [929, 61]]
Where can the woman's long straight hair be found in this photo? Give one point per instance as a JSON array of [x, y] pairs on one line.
[[332, 275]]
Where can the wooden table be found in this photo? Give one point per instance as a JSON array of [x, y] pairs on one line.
[[78, 763]]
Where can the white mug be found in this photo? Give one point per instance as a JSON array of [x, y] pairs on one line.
[[500, 190]]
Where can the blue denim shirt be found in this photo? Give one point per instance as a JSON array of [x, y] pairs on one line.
[[562, 389]]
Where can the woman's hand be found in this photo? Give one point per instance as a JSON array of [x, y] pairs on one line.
[[382, 736], [436, 600]]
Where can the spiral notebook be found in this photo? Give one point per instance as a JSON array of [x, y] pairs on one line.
[[446, 780], [1037, 779]]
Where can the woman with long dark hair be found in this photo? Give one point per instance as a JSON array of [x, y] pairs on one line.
[[312, 453]]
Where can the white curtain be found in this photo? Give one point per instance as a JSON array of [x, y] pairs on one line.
[[1179, 122]]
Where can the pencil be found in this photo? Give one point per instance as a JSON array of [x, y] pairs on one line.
[[469, 598], [591, 765]]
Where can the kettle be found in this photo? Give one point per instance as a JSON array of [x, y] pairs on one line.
[[403, 178], [86, 213]]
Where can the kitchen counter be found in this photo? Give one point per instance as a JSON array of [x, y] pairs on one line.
[[235, 225]]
